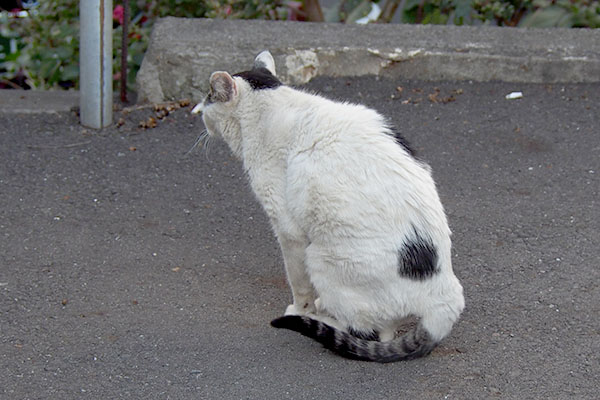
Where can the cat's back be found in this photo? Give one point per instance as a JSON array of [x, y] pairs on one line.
[[346, 165], [341, 145], [325, 124]]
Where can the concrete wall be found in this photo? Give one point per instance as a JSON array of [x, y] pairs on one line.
[[183, 53]]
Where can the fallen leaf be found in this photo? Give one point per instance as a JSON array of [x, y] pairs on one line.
[[160, 114], [149, 123]]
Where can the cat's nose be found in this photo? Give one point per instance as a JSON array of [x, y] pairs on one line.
[[199, 107]]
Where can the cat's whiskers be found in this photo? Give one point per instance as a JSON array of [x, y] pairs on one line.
[[207, 142], [202, 138]]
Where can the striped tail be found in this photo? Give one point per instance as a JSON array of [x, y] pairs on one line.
[[413, 344]]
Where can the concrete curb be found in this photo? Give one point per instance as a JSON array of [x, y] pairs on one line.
[[183, 53]]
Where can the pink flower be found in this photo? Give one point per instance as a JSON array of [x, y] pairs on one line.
[[118, 14], [294, 13]]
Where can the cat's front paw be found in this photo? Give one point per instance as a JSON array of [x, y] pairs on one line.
[[319, 306], [300, 309], [291, 310]]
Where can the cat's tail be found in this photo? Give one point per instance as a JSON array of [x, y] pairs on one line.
[[413, 344]]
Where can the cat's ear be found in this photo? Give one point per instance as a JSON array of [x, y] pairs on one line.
[[222, 87], [265, 60]]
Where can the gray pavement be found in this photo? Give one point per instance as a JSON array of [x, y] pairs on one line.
[[130, 270]]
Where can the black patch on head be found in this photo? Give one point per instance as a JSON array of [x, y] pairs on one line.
[[417, 259], [403, 142], [260, 78]]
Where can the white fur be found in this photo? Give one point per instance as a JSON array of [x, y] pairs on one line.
[[342, 198]]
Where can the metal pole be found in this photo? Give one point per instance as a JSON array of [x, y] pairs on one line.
[[124, 44], [95, 63]]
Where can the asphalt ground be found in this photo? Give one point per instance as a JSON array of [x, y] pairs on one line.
[[130, 269]]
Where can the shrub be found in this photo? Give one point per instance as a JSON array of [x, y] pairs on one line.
[[44, 53], [42, 49]]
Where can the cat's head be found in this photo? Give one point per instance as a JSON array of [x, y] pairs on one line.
[[228, 96]]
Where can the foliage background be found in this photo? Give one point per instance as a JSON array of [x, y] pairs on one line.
[[41, 49]]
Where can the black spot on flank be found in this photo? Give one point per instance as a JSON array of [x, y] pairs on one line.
[[403, 142], [417, 259], [260, 78]]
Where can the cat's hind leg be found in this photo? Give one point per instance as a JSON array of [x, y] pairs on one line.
[[439, 318]]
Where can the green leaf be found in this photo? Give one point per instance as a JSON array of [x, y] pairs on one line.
[[47, 68], [435, 17], [359, 11], [70, 73], [63, 52], [411, 4], [331, 14], [463, 8], [409, 12], [548, 18]]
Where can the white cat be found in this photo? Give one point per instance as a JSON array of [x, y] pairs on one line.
[[364, 236]]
